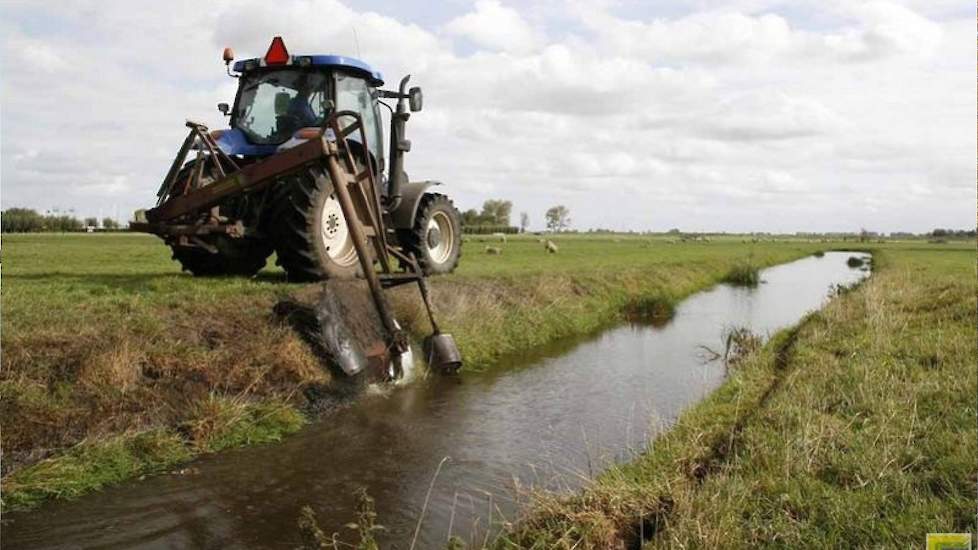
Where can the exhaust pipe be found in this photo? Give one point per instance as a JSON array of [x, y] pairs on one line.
[[398, 147]]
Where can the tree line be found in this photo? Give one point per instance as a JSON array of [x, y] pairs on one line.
[[953, 233], [495, 218], [26, 220]]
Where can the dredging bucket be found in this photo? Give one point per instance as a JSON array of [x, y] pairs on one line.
[[442, 353]]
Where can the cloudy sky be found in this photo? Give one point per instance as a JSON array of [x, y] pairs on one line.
[[747, 115]]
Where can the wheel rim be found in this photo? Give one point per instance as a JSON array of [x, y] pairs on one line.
[[442, 224], [336, 235]]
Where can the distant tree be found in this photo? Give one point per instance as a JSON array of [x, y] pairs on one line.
[[470, 217], [674, 231], [524, 221], [21, 220], [953, 233], [64, 223], [91, 222], [496, 212], [109, 223], [26, 220], [558, 218]]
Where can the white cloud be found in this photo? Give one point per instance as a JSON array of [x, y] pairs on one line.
[[883, 29], [495, 27], [708, 37], [766, 114]]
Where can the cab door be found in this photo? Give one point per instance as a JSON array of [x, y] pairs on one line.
[[353, 94]]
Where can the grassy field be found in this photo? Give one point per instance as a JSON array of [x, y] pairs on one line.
[[855, 429], [117, 364]]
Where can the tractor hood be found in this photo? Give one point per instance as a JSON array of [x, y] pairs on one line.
[[233, 142]]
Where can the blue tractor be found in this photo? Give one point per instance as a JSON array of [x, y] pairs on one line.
[[234, 196]]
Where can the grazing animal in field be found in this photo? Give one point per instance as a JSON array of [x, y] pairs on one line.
[[551, 247], [493, 250], [500, 236]]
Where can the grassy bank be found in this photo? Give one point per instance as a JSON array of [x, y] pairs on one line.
[[855, 429]]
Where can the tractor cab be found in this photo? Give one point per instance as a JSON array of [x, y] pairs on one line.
[[284, 99]]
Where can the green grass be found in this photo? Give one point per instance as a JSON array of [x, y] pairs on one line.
[[90, 466], [102, 335], [853, 430], [743, 274], [215, 424], [219, 423]]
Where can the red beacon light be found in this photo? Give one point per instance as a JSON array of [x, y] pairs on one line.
[[277, 54], [228, 57]]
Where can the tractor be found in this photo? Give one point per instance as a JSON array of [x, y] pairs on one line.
[[283, 101], [301, 173]]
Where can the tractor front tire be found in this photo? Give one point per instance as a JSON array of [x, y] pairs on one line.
[[234, 257], [310, 234], [436, 237]]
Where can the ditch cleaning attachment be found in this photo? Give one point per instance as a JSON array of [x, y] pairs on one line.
[[187, 212]]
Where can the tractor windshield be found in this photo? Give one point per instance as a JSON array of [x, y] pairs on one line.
[[273, 105]]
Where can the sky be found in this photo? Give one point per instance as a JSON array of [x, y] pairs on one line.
[[746, 115]]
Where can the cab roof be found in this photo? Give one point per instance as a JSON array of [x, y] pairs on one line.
[[334, 61]]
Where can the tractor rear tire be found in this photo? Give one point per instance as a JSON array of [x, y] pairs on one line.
[[436, 237], [235, 257], [308, 231]]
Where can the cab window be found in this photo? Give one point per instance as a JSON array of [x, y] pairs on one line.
[[272, 105]]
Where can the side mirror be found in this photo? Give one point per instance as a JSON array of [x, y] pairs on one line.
[[224, 108], [415, 99]]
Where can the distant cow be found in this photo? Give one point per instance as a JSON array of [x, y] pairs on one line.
[[551, 247], [493, 251]]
